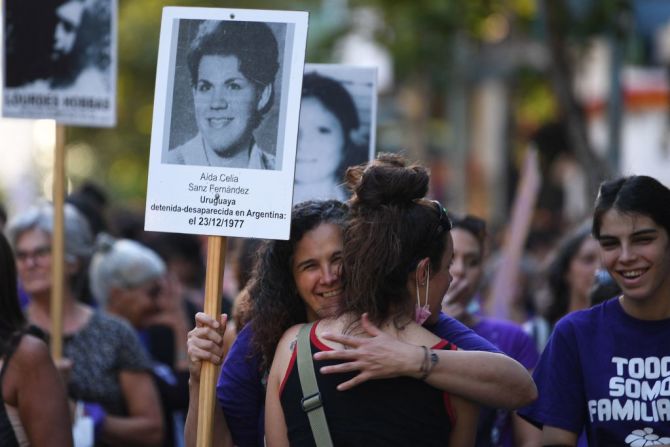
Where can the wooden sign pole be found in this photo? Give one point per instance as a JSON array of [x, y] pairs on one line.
[[216, 257], [58, 246]]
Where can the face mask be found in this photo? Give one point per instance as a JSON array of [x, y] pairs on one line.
[[421, 313]]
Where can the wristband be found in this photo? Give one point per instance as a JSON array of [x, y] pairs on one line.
[[430, 359], [97, 413]]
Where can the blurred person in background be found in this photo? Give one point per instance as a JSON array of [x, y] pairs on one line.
[[33, 409], [497, 427], [110, 372], [571, 274], [605, 369], [129, 280]]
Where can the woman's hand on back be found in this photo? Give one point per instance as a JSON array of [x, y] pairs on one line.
[[205, 342], [379, 356]]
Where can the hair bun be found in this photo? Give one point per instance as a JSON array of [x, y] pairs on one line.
[[387, 181]]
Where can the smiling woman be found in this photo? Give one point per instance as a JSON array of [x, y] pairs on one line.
[[232, 68], [601, 359]]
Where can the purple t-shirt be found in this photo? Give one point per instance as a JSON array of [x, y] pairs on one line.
[[495, 425], [607, 373], [241, 386]]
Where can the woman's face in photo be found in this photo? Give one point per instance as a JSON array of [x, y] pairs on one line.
[[225, 103], [320, 142]]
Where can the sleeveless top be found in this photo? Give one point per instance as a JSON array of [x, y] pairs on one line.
[[11, 428], [400, 411]]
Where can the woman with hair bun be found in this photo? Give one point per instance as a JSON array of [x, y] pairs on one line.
[[396, 255], [298, 281]]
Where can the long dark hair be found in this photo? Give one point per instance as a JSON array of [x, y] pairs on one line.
[[12, 320], [635, 194], [558, 285], [276, 305], [391, 228]]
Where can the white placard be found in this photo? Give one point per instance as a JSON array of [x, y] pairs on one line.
[[337, 128], [59, 61], [225, 122]]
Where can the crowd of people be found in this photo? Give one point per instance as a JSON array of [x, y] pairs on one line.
[[379, 302]]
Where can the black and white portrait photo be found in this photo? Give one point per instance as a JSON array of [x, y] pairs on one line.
[[60, 60], [227, 85], [336, 130], [225, 122]]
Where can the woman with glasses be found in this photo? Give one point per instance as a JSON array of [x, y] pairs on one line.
[[27, 374], [110, 373]]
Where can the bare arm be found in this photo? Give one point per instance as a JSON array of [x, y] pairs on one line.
[[144, 424], [557, 437], [205, 342], [487, 378], [465, 430], [525, 433], [46, 420], [275, 424]]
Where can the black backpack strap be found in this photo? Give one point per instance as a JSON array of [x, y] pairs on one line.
[[311, 401]]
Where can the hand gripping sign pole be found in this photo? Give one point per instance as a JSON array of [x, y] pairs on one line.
[[58, 246], [216, 258]]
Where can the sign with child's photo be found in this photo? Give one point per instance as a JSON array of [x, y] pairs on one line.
[[337, 128]]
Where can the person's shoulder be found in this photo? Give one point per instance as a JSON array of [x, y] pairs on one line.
[[589, 316], [183, 153], [31, 351], [508, 326], [261, 159], [291, 333], [111, 323]]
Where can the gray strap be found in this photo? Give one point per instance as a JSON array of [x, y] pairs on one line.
[[311, 402]]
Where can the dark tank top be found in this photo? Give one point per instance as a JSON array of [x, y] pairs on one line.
[[386, 412], [7, 436]]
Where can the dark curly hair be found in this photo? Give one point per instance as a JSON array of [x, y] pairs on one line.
[[12, 320], [391, 228], [276, 305]]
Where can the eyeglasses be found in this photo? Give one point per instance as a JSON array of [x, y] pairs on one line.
[[154, 292], [38, 255], [445, 222]]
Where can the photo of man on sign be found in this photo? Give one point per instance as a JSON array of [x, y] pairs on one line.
[[68, 48], [232, 69]]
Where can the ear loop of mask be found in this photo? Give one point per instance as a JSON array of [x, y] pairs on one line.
[[418, 299], [427, 284]]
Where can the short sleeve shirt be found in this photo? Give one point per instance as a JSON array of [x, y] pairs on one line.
[[607, 373], [100, 351]]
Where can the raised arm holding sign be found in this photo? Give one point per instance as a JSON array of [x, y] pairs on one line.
[[223, 139]]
